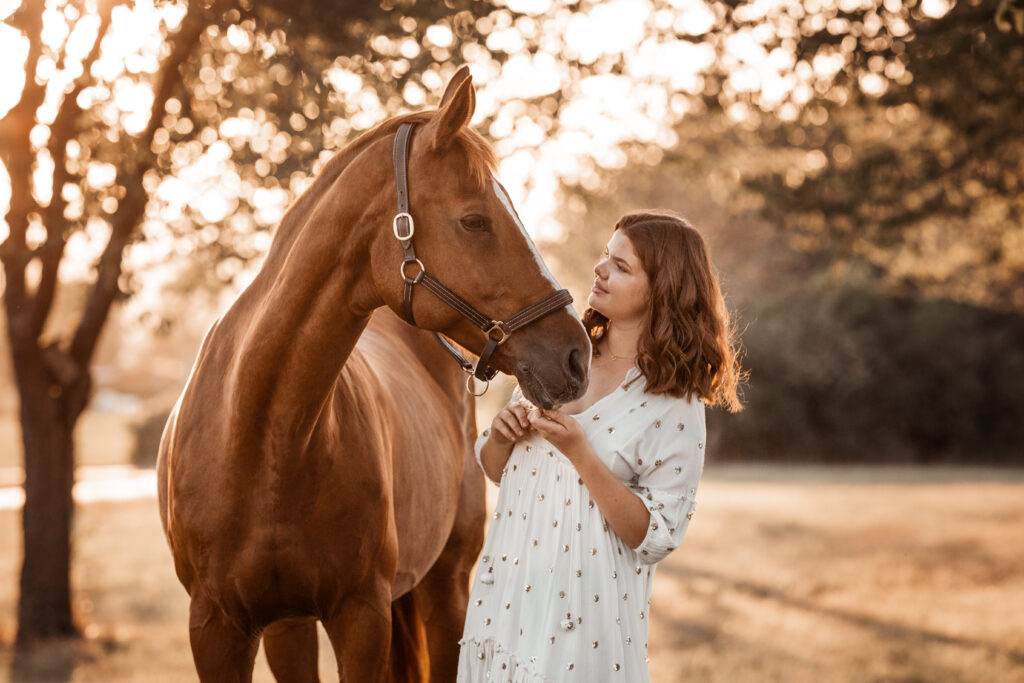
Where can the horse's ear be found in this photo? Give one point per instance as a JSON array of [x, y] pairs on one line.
[[449, 90], [456, 110]]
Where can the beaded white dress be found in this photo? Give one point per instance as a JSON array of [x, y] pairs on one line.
[[557, 595]]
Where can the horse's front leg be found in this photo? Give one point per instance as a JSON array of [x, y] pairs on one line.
[[291, 649], [443, 593], [224, 651], [360, 633]]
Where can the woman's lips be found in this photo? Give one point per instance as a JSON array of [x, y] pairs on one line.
[[598, 288]]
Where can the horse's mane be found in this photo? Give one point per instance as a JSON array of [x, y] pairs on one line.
[[480, 156]]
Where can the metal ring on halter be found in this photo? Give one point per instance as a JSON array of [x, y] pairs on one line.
[[394, 225], [500, 327], [419, 275], [469, 385]]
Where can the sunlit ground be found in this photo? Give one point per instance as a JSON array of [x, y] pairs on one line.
[[787, 574]]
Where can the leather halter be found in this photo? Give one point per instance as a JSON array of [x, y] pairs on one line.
[[497, 331]]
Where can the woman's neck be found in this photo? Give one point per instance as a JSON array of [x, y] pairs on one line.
[[622, 339]]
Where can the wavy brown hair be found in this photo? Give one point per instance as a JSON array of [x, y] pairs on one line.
[[689, 346]]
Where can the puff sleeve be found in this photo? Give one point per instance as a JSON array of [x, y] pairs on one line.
[[667, 462]]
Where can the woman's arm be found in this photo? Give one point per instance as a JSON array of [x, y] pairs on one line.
[[494, 455], [626, 514]]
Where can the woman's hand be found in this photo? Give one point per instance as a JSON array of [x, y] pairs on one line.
[[561, 430], [510, 424]]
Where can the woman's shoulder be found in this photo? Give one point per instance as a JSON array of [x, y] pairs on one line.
[[685, 409], [637, 412]]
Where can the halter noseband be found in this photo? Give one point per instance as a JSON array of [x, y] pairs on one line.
[[496, 331]]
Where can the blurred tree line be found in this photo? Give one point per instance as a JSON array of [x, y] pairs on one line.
[[875, 144], [869, 223], [843, 368]]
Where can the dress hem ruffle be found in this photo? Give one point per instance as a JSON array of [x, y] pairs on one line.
[[485, 660]]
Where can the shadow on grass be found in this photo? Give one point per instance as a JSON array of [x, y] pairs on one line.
[[48, 662], [886, 630]]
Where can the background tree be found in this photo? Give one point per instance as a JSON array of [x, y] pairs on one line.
[[911, 160], [52, 374]]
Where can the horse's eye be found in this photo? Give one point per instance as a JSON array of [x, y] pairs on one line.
[[474, 222]]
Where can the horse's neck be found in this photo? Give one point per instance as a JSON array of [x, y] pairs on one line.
[[296, 326]]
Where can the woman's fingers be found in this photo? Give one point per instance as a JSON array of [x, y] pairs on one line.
[[501, 429], [519, 411], [544, 423], [554, 415], [511, 422]]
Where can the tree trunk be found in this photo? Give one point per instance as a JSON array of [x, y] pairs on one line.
[[52, 398], [53, 382]]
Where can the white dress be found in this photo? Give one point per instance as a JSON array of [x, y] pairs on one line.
[[557, 595]]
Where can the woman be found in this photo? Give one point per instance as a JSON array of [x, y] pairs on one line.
[[595, 493]]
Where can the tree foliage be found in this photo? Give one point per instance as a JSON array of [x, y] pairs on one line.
[[900, 142]]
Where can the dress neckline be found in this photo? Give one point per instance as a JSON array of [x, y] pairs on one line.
[[630, 375]]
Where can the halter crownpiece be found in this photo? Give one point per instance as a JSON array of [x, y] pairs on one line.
[[496, 331]]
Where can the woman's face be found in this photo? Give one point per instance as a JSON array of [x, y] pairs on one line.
[[621, 288]]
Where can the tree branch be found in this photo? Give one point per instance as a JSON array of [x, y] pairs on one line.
[[133, 206], [62, 130], [17, 154]]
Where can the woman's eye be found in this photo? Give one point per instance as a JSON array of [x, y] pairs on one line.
[[474, 222]]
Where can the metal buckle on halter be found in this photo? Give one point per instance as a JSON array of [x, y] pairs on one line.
[[470, 384], [419, 275], [500, 327], [412, 226]]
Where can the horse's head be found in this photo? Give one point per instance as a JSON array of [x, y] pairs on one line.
[[469, 237]]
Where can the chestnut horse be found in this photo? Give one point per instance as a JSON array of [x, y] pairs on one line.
[[318, 464]]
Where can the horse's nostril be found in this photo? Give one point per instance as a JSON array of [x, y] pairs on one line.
[[577, 368]]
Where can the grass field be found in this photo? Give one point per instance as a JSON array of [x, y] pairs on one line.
[[787, 574]]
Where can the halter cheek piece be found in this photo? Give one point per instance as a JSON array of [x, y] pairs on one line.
[[414, 273]]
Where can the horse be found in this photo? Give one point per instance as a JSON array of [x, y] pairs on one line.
[[319, 463]]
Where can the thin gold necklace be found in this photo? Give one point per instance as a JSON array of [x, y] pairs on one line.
[[614, 357]]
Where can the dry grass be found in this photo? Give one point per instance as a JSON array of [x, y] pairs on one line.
[[853, 574], [788, 574]]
